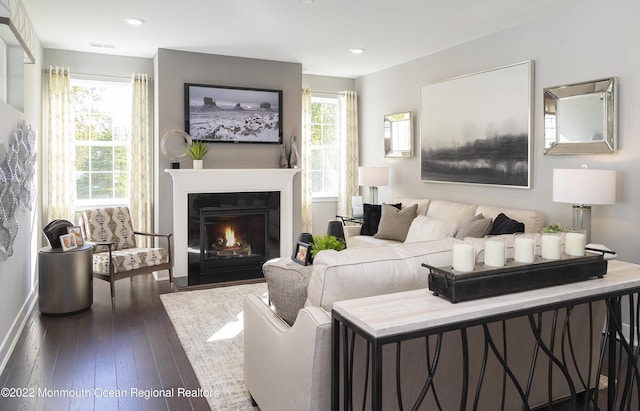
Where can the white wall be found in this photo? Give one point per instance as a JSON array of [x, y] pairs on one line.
[[174, 68], [578, 44], [19, 278]]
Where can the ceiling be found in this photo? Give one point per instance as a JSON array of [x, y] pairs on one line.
[[319, 35]]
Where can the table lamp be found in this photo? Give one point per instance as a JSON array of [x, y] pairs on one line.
[[584, 187], [373, 177]]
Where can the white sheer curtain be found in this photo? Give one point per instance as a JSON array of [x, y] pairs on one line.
[[348, 136], [60, 146], [140, 184], [306, 161]]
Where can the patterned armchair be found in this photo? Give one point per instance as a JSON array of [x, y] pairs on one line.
[[116, 254]]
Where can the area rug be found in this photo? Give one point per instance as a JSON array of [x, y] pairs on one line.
[[209, 324]]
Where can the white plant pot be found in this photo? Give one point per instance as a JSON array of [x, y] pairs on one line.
[[197, 164]]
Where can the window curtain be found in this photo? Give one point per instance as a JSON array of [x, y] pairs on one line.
[[140, 185], [306, 161], [60, 146], [348, 136]]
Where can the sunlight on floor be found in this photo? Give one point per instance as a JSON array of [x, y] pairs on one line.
[[229, 330], [233, 328]]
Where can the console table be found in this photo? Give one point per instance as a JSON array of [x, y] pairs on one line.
[[394, 318]]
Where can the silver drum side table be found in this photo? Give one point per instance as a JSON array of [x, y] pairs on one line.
[[65, 279]]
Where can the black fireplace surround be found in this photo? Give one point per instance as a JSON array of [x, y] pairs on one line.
[[230, 235]]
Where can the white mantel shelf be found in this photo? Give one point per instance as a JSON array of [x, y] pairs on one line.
[[230, 180]]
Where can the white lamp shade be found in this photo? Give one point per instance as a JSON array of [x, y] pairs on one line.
[[584, 186], [373, 176]]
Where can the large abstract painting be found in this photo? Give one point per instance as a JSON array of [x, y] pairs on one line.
[[476, 129]]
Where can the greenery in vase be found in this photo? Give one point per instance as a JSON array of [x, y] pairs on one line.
[[326, 242], [197, 150], [553, 228]]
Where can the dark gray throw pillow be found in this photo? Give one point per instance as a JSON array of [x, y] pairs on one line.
[[505, 225], [371, 217]]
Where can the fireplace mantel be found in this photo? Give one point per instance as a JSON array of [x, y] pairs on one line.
[[187, 181]]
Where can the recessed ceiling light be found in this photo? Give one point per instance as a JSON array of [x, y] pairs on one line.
[[357, 51], [134, 21], [305, 1]]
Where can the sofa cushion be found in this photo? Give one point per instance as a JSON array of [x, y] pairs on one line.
[[449, 210], [425, 228], [423, 203], [367, 271], [287, 284], [533, 221], [505, 225], [394, 223], [476, 227], [371, 218]]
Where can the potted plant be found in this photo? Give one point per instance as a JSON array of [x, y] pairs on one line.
[[197, 150], [326, 242]]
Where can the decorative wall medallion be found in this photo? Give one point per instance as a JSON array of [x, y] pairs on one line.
[[17, 185]]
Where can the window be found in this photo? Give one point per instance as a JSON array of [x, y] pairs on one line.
[[324, 147], [102, 120]]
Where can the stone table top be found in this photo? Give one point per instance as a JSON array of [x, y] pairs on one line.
[[399, 313]]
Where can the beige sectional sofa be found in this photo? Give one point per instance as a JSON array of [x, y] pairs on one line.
[[287, 360], [459, 213]]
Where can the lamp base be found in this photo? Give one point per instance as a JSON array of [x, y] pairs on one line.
[[582, 219], [373, 195]]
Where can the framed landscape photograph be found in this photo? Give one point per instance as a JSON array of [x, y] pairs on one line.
[[476, 129], [221, 114], [68, 242], [77, 232]]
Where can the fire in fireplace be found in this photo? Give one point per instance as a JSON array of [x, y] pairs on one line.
[[231, 235]]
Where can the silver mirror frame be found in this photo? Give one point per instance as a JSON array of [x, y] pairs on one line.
[[606, 89], [398, 135]]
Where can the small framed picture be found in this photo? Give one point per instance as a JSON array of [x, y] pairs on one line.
[[77, 232], [68, 242], [302, 254]]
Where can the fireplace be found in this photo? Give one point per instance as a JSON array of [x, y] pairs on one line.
[[230, 235], [247, 180]]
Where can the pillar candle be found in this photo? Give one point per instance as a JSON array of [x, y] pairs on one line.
[[551, 245], [524, 249], [463, 257], [494, 253], [574, 244]]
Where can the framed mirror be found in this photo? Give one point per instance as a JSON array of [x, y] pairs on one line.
[[398, 135], [580, 118]]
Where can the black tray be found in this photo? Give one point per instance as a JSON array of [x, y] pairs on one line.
[[486, 281]]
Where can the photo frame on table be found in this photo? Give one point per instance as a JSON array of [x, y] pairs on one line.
[[477, 128], [77, 232], [68, 242], [302, 253]]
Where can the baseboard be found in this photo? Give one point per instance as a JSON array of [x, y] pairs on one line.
[[11, 339]]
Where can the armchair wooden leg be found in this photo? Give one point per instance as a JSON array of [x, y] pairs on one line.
[[113, 294]]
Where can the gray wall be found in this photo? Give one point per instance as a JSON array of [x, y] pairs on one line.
[[578, 44], [174, 68]]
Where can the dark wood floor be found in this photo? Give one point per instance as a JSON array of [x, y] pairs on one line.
[[97, 350], [133, 346]]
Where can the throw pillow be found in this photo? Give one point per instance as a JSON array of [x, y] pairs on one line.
[[477, 227], [505, 225], [425, 228], [371, 218], [394, 223]]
